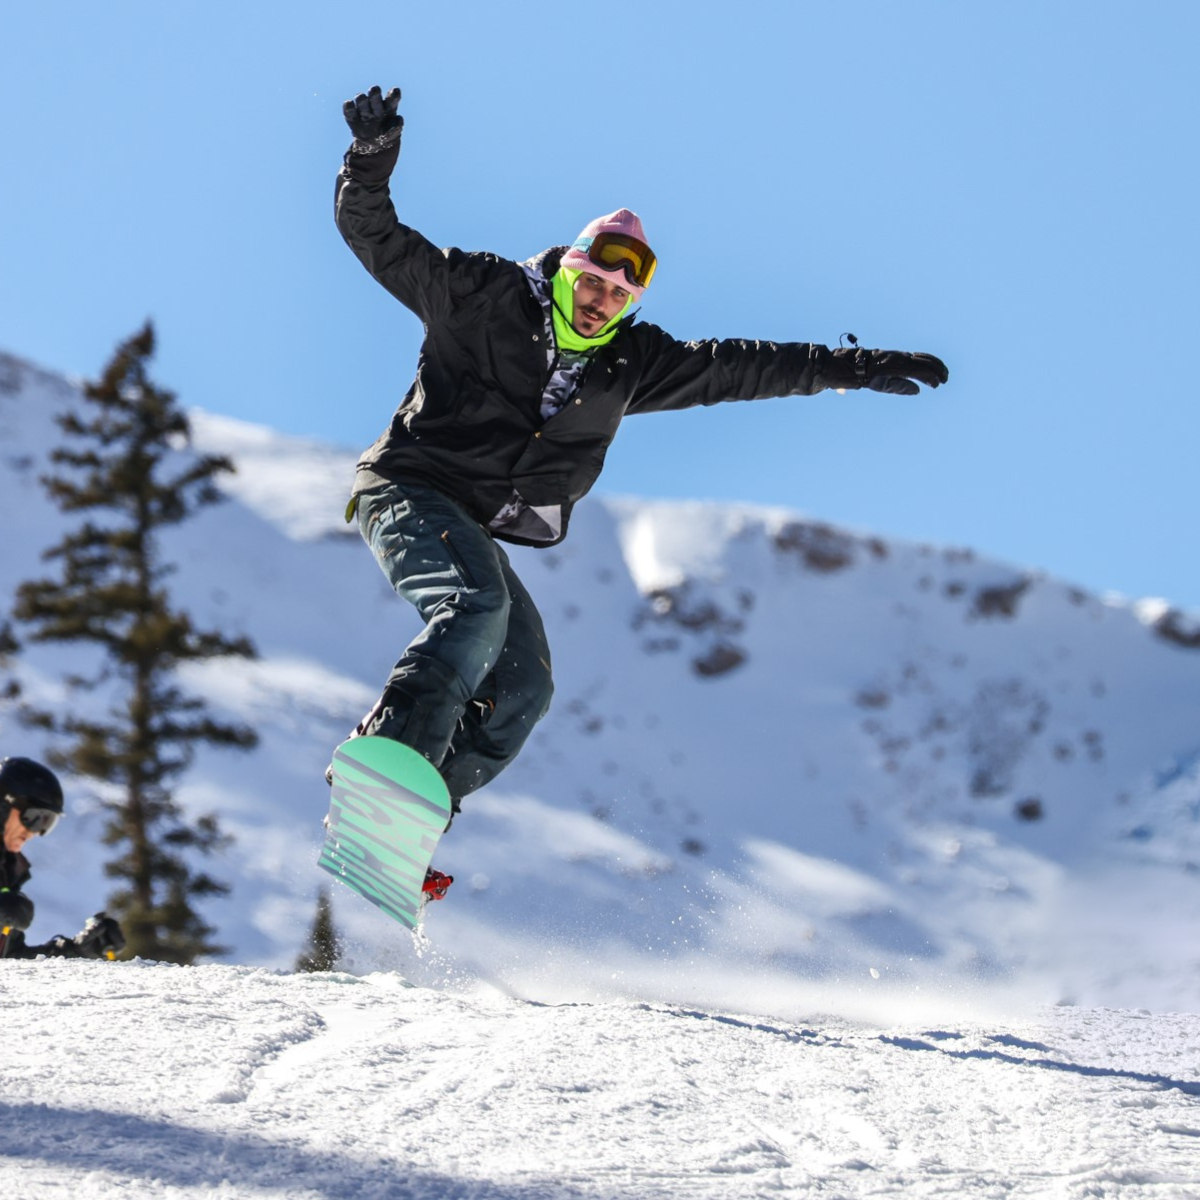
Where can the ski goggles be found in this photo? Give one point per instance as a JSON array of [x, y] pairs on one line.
[[620, 252], [35, 818]]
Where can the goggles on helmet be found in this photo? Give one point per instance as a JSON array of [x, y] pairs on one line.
[[620, 252], [35, 818]]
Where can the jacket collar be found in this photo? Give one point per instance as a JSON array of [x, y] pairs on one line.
[[546, 264]]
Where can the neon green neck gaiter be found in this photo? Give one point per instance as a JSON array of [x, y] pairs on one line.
[[563, 308]]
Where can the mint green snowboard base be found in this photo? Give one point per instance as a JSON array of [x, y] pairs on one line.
[[388, 809]]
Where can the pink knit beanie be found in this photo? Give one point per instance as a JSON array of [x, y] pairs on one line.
[[621, 221]]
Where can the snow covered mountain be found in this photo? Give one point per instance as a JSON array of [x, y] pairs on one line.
[[789, 767]]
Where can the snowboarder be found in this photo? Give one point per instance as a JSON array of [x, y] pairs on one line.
[[31, 804], [525, 372]]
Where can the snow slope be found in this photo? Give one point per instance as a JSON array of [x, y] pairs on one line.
[[790, 768], [229, 1083]]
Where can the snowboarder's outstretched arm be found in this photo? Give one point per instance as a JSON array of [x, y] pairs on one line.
[[685, 374]]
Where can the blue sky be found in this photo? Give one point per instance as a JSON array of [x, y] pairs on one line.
[[1012, 187]]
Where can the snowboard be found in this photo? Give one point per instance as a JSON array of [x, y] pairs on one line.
[[388, 808]]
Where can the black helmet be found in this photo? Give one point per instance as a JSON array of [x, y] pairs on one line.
[[23, 781]]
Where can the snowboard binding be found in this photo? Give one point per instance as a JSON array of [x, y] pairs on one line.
[[436, 885]]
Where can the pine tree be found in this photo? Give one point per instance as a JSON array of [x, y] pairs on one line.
[[121, 468], [324, 943], [10, 689]]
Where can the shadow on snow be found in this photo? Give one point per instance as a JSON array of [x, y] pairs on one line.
[[166, 1154], [1188, 1087]]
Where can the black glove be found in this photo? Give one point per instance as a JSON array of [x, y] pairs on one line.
[[891, 371], [101, 938], [374, 121], [16, 911]]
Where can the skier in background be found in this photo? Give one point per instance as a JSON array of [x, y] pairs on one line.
[[31, 803], [525, 373]]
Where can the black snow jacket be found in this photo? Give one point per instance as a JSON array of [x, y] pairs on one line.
[[470, 425], [14, 874], [14, 870]]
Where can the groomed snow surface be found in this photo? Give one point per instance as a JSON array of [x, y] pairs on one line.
[[131, 1080]]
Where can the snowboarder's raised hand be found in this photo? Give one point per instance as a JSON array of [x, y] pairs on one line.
[[891, 371], [374, 120]]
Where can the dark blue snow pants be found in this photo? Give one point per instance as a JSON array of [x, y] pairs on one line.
[[468, 690]]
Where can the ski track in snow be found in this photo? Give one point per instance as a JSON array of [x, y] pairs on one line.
[[137, 1080]]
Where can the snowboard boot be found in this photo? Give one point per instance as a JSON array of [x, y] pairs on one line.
[[436, 885]]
